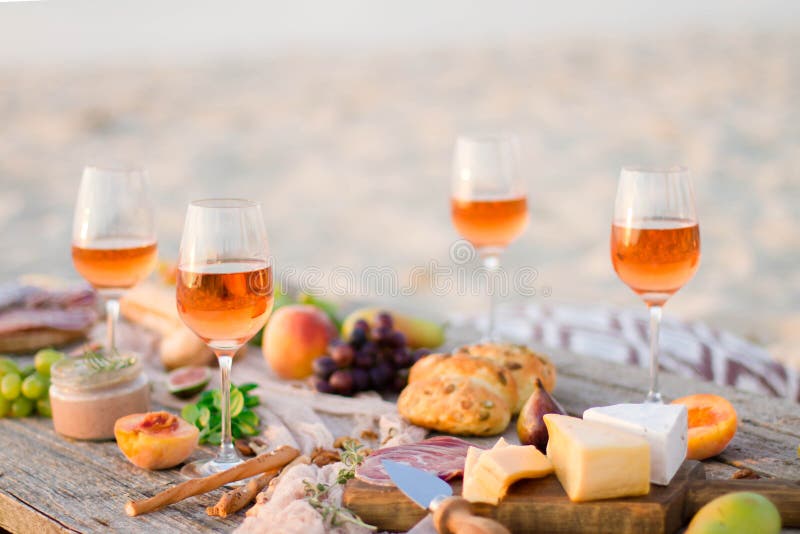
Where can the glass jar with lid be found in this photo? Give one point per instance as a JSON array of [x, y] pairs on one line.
[[89, 393]]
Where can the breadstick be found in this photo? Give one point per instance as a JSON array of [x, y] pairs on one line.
[[234, 500], [261, 463]]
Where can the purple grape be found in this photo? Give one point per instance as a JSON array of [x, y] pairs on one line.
[[342, 355], [363, 359], [398, 339], [384, 320], [323, 367], [381, 375], [370, 347], [358, 337], [382, 334], [323, 386], [361, 381], [418, 354], [342, 382], [400, 380], [361, 324], [402, 358]]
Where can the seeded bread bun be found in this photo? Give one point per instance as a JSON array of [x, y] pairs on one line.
[[459, 394], [455, 404], [525, 366]]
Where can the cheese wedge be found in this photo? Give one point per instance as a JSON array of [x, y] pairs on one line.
[[488, 474], [597, 461], [664, 426]]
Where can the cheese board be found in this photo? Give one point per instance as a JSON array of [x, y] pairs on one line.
[[541, 505]]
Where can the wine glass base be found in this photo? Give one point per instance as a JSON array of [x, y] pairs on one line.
[[204, 468], [654, 397]]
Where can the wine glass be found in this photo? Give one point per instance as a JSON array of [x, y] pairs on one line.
[[113, 235], [489, 202], [655, 242], [224, 294]]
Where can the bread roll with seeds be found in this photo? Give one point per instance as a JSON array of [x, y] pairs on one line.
[[459, 394], [455, 404], [525, 366]]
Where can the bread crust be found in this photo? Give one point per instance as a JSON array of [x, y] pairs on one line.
[[524, 364], [488, 373], [454, 404]]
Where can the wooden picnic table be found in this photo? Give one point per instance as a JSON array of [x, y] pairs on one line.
[[52, 484]]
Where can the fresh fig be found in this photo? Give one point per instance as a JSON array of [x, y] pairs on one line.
[[186, 382], [530, 424]]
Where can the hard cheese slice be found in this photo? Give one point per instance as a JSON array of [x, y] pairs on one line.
[[597, 461], [664, 426], [488, 474]]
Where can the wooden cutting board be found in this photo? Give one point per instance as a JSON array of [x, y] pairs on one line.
[[540, 505]]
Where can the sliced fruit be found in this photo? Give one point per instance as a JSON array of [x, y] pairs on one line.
[[712, 424], [737, 513], [418, 332], [155, 440], [186, 382]]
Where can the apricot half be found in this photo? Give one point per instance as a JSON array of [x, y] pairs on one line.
[[155, 440], [712, 424]]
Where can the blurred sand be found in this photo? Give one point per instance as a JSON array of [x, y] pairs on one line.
[[351, 157]]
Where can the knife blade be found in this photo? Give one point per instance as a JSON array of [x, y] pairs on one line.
[[451, 515]]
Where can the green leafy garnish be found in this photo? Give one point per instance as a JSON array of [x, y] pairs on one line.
[[331, 514], [99, 362], [351, 458], [206, 414]]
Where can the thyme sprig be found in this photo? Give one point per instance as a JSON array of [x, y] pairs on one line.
[[351, 457], [99, 362], [331, 514]]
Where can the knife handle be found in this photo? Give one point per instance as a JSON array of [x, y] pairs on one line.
[[454, 516]]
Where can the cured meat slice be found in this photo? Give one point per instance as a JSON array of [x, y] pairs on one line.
[[75, 319], [443, 456]]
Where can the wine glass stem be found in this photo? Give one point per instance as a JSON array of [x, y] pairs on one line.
[[227, 454], [112, 317], [492, 263], [654, 395]]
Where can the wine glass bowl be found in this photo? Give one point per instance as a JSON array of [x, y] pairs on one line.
[[224, 294], [113, 235], [655, 242], [488, 203]]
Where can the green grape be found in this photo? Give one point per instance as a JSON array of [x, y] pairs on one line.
[[10, 386], [27, 371], [44, 359], [5, 406], [43, 407], [21, 407], [33, 387], [7, 365]]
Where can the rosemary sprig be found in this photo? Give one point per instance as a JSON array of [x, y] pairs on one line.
[[331, 514], [99, 362]]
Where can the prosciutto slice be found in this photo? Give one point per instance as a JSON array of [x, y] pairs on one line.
[[24, 307], [443, 456]]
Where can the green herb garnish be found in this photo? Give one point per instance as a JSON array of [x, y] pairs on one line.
[[99, 362], [331, 514], [351, 458], [206, 414]]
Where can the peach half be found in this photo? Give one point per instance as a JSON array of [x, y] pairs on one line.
[[712, 424], [155, 440]]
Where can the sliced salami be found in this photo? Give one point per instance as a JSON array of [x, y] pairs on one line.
[[443, 456]]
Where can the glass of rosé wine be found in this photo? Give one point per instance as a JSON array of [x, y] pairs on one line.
[[488, 203], [113, 235], [655, 242], [224, 294]]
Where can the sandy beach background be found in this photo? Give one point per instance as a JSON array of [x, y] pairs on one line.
[[349, 150]]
